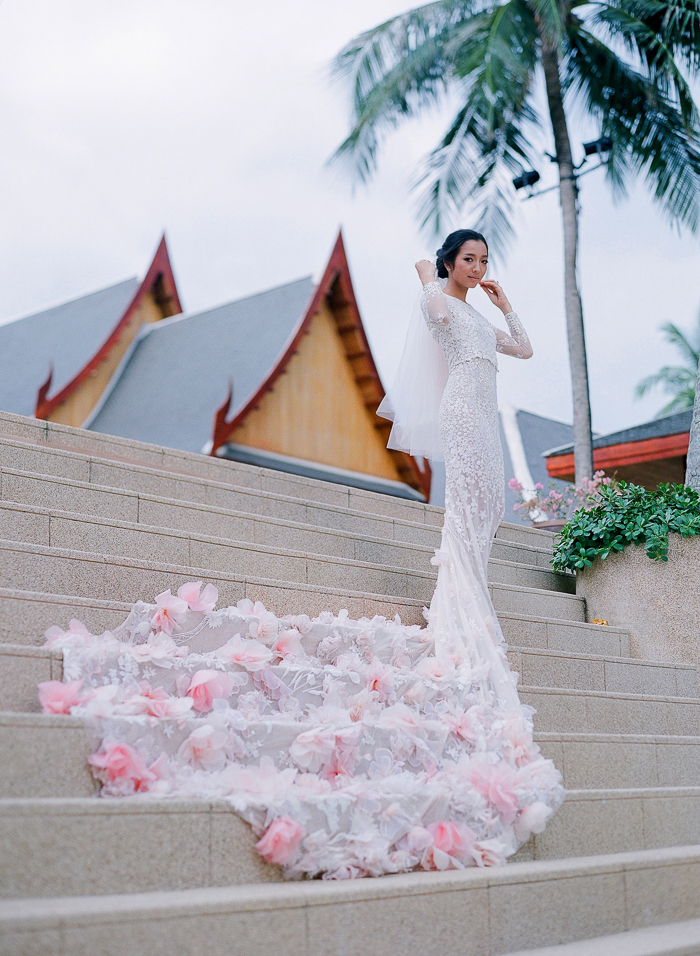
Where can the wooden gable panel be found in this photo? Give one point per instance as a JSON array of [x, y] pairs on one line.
[[315, 410], [155, 299]]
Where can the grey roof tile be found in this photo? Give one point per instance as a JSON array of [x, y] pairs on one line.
[[67, 335], [178, 373]]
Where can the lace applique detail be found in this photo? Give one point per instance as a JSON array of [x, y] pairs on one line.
[[460, 331], [517, 343]]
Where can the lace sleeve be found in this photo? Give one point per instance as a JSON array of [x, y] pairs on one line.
[[434, 305], [517, 343]]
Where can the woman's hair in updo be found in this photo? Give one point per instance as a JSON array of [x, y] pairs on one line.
[[451, 246]]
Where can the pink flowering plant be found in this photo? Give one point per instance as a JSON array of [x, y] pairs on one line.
[[559, 504]]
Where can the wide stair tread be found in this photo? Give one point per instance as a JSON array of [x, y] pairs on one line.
[[360, 557], [533, 903]]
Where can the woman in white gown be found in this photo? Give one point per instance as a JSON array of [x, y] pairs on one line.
[[353, 748]]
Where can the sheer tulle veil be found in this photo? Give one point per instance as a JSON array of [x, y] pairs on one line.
[[413, 401]]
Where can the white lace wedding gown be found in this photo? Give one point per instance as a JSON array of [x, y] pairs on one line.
[[353, 748]]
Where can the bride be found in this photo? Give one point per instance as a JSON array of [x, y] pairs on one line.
[[353, 748]]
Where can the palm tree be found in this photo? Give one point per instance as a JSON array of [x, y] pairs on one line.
[[676, 380], [622, 63]]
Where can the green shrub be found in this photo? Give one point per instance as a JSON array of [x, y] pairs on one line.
[[627, 514]]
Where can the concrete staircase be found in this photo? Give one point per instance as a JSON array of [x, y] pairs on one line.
[[90, 523]]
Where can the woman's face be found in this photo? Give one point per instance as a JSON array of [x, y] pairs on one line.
[[470, 264]]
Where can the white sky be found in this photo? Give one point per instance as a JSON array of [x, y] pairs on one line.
[[213, 120]]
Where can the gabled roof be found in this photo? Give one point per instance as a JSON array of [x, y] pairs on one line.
[[336, 287], [159, 282], [168, 391], [66, 336]]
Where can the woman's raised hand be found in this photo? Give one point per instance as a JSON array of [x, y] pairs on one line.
[[426, 270], [496, 294]]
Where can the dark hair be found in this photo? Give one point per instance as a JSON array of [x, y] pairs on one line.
[[450, 248]]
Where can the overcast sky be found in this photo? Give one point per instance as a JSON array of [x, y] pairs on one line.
[[213, 120]]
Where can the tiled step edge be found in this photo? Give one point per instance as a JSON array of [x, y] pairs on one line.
[[675, 939], [520, 904]]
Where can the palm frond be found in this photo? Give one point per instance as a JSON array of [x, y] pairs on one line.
[[689, 349], [673, 378], [487, 142], [681, 401], [648, 132], [654, 44], [393, 72]]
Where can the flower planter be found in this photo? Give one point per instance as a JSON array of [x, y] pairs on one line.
[[659, 601]]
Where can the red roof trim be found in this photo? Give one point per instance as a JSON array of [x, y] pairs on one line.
[[159, 270], [626, 453], [336, 270]]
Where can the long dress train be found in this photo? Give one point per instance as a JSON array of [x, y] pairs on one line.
[[352, 747]]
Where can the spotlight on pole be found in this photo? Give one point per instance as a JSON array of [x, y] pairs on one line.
[[599, 146], [526, 179]]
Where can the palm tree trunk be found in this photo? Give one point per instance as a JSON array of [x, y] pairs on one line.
[[692, 469], [583, 438]]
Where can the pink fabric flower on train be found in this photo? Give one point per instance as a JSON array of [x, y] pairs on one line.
[[517, 736], [288, 644], [120, 764], [57, 697], [280, 842], [465, 724], [450, 841], [205, 748], [170, 612], [204, 601], [249, 654], [266, 627], [496, 783], [437, 669], [490, 852], [380, 679], [76, 629], [207, 686], [155, 702], [312, 748]]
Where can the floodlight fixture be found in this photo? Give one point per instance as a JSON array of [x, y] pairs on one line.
[[526, 179], [602, 145]]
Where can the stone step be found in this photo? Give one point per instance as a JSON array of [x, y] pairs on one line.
[[674, 939], [45, 755], [622, 761], [617, 821], [603, 712], [79, 444], [374, 573], [382, 539], [575, 636], [468, 912], [61, 847], [22, 667], [265, 492], [25, 616], [373, 514], [552, 668], [34, 567]]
